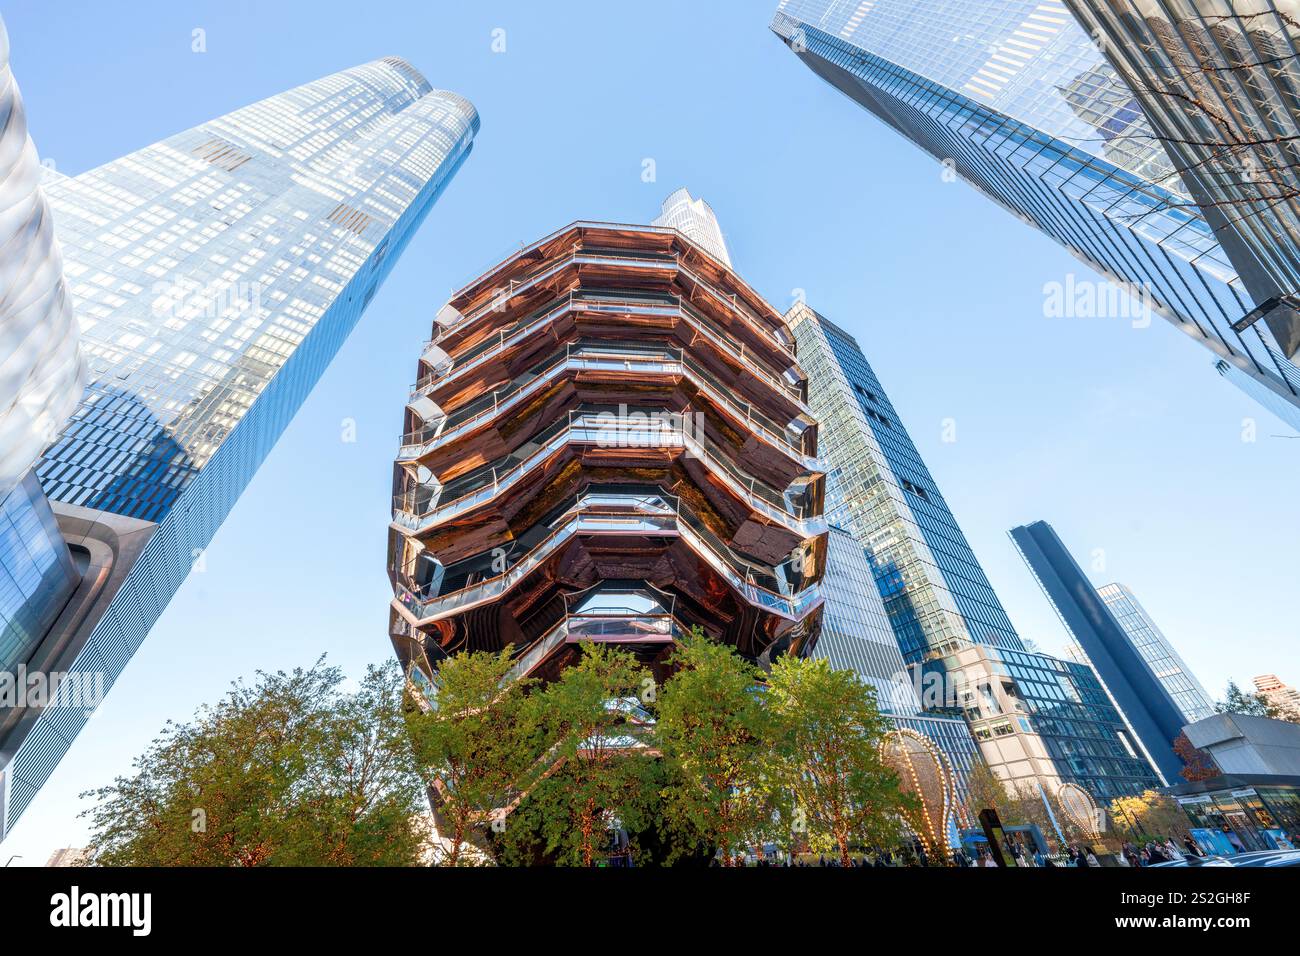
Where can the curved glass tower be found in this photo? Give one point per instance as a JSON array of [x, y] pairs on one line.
[[41, 374], [695, 219], [41, 378], [215, 275]]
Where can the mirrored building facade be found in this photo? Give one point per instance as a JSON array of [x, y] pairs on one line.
[[1037, 720], [41, 378], [856, 635], [1220, 83], [215, 274], [1144, 697], [1015, 99], [1160, 655], [1043, 721], [879, 489]]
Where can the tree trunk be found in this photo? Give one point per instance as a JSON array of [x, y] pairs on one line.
[[587, 827], [457, 836]]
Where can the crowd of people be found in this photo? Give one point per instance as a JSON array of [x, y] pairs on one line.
[[1017, 853]]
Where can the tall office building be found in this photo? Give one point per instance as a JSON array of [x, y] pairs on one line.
[[1165, 662], [41, 378], [856, 635], [608, 440], [1038, 720], [1043, 721], [1282, 696], [694, 219], [855, 632], [1143, 698], [880, 490], [1218, 83], [215, 274], [1015, 98]]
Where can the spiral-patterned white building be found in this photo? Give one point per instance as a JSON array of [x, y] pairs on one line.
[[41, 372]]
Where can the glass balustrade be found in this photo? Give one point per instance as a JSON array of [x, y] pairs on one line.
[[439, 432], [588, 301], [657, 517], [731, 302], [424, 505]]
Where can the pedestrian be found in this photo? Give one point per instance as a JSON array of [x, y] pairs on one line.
[[1191, 845]]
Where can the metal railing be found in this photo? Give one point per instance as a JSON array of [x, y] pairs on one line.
[[587, 301], [668, 520], [451, 427], [610, 627], [578, 257], [422, 506]]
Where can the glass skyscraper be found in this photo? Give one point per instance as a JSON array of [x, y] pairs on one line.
[[1015, 98], [856, 635], [855, 631], [41, 377], [1044, 721], [215, 274], [880, 490], [694, 219], [1137, 688], [1165, 662], [1219, 85], [1038, 720]]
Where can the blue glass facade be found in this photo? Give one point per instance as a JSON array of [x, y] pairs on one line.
[[1165, 662], [216, 274], [856, 635], [1015, 98], [878, 488], [855, 632], [1036, 720], [37, 575], [1219, 89], [1040, 719], [1141, 696]]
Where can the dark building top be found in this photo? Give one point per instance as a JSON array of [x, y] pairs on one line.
[[1142, 698]]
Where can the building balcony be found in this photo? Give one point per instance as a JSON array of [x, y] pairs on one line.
[[507, 341], [613, 515], [607, 270], [637, 629], [441, 430], [426, 506]]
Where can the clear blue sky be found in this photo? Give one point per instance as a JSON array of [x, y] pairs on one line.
[[1124, 439]]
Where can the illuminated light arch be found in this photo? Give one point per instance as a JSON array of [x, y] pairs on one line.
[[923, 772]]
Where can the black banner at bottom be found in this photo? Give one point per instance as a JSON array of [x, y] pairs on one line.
[[924, 906]]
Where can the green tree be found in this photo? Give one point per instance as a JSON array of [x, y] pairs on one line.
[[986, 791], [1151, 816], [828, 734], [596, 774], [289, 771], [716, 735], [1238, 701], [475, 738]]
